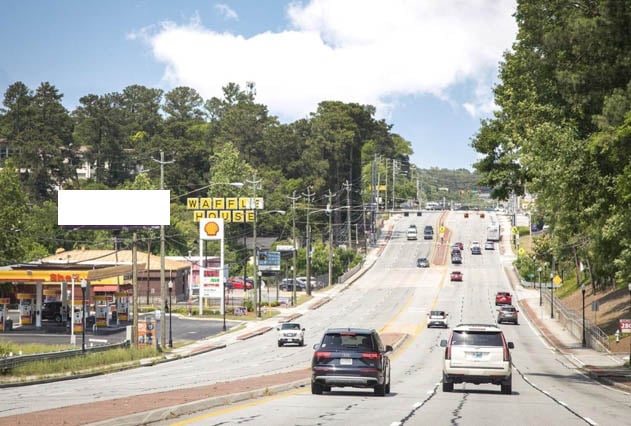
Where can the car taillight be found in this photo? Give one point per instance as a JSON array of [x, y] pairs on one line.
[[371, 355], [320, 355], [448, 350], [506, 352]]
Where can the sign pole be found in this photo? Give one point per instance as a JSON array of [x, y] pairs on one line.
[[202, 270]]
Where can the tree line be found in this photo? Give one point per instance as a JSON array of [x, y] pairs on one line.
[[205, 143], [563, 131]]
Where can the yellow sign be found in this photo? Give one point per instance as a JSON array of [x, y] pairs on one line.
[[442, 229], [557, 279], [521, 252], [515, 231]]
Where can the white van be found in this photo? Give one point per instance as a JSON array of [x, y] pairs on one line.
[[411, 234]]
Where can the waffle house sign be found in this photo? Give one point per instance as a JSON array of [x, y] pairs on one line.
[[230, 209]]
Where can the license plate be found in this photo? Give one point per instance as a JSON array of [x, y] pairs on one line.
[[476, 355], [346, 361]]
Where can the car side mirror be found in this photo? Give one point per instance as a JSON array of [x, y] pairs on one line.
[[443, 343], [511, 345], [389, 348], [316, 346], [277, 328], [303, 329]]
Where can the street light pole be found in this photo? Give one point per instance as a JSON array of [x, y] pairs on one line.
[[551, 295], [583, 294], [629, 335], [170, 314], [540, 292], [84, 284]]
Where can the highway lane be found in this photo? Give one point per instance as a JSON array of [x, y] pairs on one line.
[[394, 295], [546, 389]]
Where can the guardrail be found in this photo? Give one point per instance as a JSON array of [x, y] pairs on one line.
[[9, 362]]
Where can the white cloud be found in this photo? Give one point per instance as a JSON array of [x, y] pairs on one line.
[[362, 51], [227, 12]]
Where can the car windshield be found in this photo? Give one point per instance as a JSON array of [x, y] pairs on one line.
[[477, 338], [437, 313]]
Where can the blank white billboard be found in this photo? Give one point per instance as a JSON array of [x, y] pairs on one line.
[[114, 208]]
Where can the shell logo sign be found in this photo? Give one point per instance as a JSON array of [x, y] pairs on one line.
[[211, 229]]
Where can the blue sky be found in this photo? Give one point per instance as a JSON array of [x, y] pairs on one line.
[[428, 66]]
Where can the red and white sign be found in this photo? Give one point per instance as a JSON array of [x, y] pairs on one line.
[[624, 325]]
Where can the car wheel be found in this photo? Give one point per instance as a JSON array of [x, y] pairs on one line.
[[448, 387], [380, 390], [316, 389], [507, 386], [388, 386], [280, 344], [302, 342]]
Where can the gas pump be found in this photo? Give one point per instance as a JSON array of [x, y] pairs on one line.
[[76, 316], [122, 306], [25, 308], [101, 308]]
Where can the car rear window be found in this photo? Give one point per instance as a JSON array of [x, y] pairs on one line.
[[348, 341], [477, 338]]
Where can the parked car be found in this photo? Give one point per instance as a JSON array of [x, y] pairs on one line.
[[455, 276], [237, 283], [54, 311], [437, 319], [507, 313], [503, 298], [287, 285], [290, 332], [489, 245], [422, 262], [353, 357], [477, 353]]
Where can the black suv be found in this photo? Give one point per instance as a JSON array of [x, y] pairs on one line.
[[428, 232], [353, 357], [53, 311]]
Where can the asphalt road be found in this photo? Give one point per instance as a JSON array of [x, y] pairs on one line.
[[394, 296]]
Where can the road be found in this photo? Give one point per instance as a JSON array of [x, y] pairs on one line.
[[394, 296]]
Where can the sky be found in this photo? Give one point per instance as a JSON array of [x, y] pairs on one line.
[[427, 66]]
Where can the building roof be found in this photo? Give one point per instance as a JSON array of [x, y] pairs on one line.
[[111, 257]]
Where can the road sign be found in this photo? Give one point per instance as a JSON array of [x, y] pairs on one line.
[[557, 280], [442, 229], [514, 230], [624, 325]]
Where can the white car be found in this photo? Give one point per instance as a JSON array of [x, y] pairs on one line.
[[437, 319], [477, 353], [290, 332]]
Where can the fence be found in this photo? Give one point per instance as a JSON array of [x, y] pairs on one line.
[[9, 362]]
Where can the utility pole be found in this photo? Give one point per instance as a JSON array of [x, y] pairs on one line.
[[394, 168], [293, 199], [347, 187], [163, 284], [257, 290], [373, 199], [309, 195], [329, 207], [134, 286]]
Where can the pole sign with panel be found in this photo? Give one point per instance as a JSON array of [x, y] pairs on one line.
[[269, 261], [211, 280], [624, 325]]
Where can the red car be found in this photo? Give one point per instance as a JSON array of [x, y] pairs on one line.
[[503, 298], [237, 283], [456, 276]]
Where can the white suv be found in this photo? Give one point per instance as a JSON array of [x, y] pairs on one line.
[[290, 332], [477, 353]]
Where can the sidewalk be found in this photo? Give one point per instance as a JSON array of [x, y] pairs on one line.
[[607, 368]]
